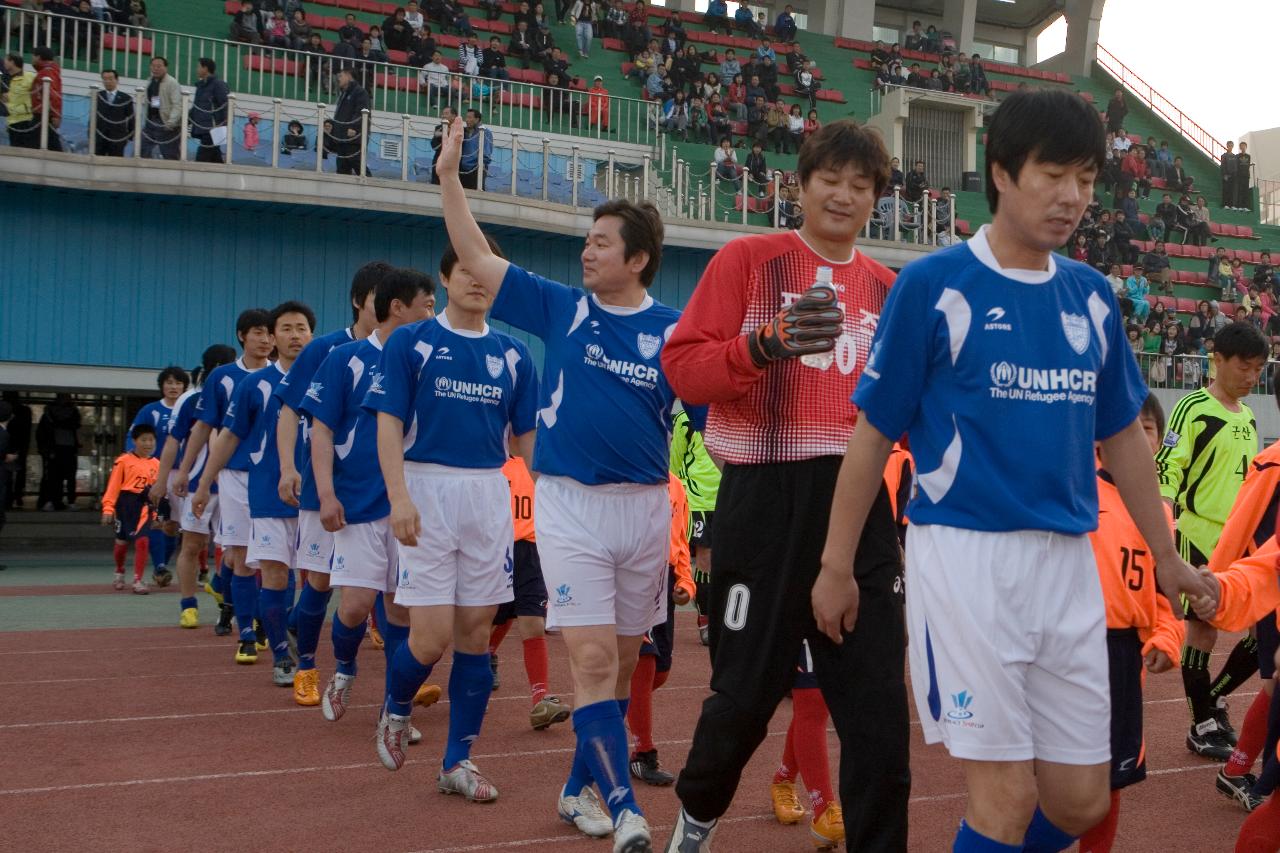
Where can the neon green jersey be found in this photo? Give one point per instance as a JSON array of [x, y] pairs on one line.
[[690, 462]]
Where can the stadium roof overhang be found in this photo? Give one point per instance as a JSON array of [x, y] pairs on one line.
[[1016, 14]]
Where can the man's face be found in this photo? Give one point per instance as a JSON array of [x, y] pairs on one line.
[[109, 81], [259, 342], [448, 114], [144, 445], [837, 202], [172, 389], [604, 263], [473, 120], [1047, 200], [1237, 376], [919, 168], [293, 332], [467, 293], [201, 72], [158, 69]]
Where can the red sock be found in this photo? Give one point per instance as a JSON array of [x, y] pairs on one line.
[[660, 678], [787, 769], [217, 555], [140, 549], [1261, 831], [1252, 734], [118, 552], [640, 711], [535, 666], [497, 634], [202, 560], [1101, 837], [810, 746]]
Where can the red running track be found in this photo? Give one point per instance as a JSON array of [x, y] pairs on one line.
[[153, 740]]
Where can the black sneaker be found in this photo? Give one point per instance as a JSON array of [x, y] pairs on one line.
[[203, 577], [226, 613], [1207, 741], [260, 634], [162, 577], [1237, 789], [645, 767], [493, 667], [1223, 719]]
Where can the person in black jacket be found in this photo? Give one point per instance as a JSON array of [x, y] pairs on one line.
[[396, 32], [58, 442], [115, 117], [347, 123], [916, 184], [493, 62], [1117, 109], [350, 32], [1227, 166], [521, 43], [1178, 177], [19, 445], [1244, 198], [208, 110], [447, 114]]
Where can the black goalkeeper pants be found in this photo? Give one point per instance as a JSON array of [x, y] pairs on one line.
[[771, 525]]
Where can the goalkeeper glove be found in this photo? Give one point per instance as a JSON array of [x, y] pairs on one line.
[[809, 325]]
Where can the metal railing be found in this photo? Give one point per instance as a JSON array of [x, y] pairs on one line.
[[278, 72], [1268, 201], [1159, 104], [1191, 371]]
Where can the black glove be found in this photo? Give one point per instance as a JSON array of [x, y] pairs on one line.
[[809, 325]]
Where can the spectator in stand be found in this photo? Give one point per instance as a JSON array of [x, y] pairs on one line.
[[1121, 142], [614, 20], [915, 38], [757, 114], [493, 62], [524, 12], [137, 15], [736, 99], [1219, 258], [1158, 318], [890, 74], [1134, 169], [932, 40], [413, 17], [246, 26], [252, 135], [317, 63], [806, 86], [879, 56], [687, 69], [209, 111], [582, 15], [1199, 232], [784, 27], [1116, 112], [726, 161], [1165, 219], [942, 213], [1198, 324], [1102, 253], [764, 51], [729, 67], [1129, 204], [811, 124], [1122, 234], [557, 100], [915, 79], [755, 90], [368, 58], [1156, 265], [540, 21], [492, 9], [350, 32], [396, 31], [1116, 279], [710, 88], [717, 17], [675, 118], [299, 30], [1264, 273], [543, 45], [164, 113], [348, 125], [1243, 198], [1080, 249], [795, 127], [718, 118], [1164, 157], [637, 33], [521, 45], [657, 86], [598, 104], [775, 119], [917, 185], [699, 122], [756, 167], [978, 82], [936, 82], [556, 61], [1137, 288], [644, 64], [470, 55], [17, 102], [675, 29], [276, 31], [294, 140], [477, 142], [896, 178], [1227, 169], [746, 20], [768, 74], [447, 115], [790, 215], [115, 117], [1238, 279]]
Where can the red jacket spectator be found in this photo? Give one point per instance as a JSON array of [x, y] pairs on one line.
[[598, 104], [47, 70], [1133, 165]]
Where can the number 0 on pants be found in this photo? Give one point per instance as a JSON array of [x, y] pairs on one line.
[[735, 608]]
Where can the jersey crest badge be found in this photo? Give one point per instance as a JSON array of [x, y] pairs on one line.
[[493, 364], [648, 344], [1171, 440], [1076, 328]]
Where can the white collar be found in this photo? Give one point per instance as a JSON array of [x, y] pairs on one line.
[[982, 251], [443, 319], [853, 252], [375, 340], [623, 310]]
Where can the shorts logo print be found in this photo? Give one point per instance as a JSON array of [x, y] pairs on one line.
[[313, 549], [960, 715], [562, 595]]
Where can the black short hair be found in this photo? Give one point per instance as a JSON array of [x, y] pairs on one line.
[[843, 143], [209, 64], [403, 283], [110, 71], [1151, 408], [1051, 126], [1241, 339], [364, 282], [42, 52], [641, 231], [137, 431], [252, 318], [449, 258], [173, 372], [16, 59], [212, 358], [292, 306], [163, 60]]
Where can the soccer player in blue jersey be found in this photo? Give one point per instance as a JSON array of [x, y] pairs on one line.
[[249, 440], [353, 498], [231, 509], [603, 519], [451, 394], [195, 532], [173, 382], [1004, 363], [297, 485]]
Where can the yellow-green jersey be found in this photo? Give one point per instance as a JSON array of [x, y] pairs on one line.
[[690, 462], [1202, 463]]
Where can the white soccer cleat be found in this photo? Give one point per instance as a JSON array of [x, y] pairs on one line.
[[392, 730], [465, 779], [336, 696], [631, 834], [585, 812]]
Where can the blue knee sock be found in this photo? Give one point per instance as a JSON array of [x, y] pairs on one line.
[[170, 547], [602, 742], [580, 774], [346, 644], [470, 684], [188, 603], [405, 675], [1043, 837], [393, 637], [223, 580], [290, 596], [271, 603], [244, 598], [155, 543], [309, 612], [969, 840]]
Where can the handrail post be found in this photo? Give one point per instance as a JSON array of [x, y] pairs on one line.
[[546, 160], [231, 127], [480, 147], [275, 133], [140, 118], [404, 147], [746, 195], [644, 178], [515, 161], [320, 140], [573, 176], [609, 176], [777, 187], [45, 85], [184, 128], [93, 117], [364, 141], [897, 215]]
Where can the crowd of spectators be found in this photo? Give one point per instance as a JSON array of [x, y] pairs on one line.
[[955, 72]]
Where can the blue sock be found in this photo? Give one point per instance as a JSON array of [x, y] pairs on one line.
[[969, 840], [223, 581], [170, 547], [1043, 837], [393, 637], [346, 644], [470, 684], [271, 603], [155, 542], [309, 613], [186, 603], [405, 675], [602, 742], [290, 595], [244, 597]]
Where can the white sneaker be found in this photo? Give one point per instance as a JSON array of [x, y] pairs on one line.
[[392, 729], [337, 693], [465, 779], [415, 736], [631, 834], [686, 837], [585, 812]]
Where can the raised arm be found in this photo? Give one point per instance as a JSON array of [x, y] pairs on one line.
[[464, 233]]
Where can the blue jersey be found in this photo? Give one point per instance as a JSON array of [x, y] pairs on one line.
[[291, 392], [215, 394], [156, 413], [461, 394], [335, 399], [179, 427], [606, 405], [252, 418], [1003, 379]]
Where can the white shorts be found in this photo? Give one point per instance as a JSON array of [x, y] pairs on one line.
[[463, 555], [315, 544], [233, 508], [604, 553], [1008, 644], [366, 555], [274, 539], [202, 525]]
